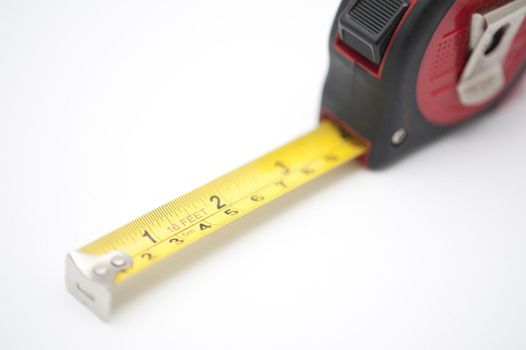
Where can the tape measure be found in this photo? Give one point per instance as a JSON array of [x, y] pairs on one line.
[[92, 270], [402, 73]]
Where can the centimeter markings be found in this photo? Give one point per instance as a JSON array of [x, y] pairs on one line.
[[177, 224]]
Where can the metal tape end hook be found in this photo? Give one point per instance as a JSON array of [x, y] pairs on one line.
[[90, 279]]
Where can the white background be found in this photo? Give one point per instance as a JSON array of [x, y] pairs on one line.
[[109, 109]]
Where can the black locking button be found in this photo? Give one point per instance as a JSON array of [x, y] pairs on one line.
[[367, 26]]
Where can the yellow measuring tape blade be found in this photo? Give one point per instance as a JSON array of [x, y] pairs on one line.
[[181, 222], [199, 213]]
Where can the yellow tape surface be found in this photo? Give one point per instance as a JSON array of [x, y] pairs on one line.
[[177, 224]]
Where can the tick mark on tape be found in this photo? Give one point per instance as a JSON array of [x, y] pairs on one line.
[[331, 157]]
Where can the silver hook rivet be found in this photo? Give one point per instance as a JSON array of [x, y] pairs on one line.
[[118, 261], [100, 270]]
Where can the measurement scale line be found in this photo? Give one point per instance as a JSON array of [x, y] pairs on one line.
[[139, 224], [175, 225], [280, 179], [176, 235]]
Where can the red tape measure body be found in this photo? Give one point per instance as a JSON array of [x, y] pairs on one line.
[[398, 69]]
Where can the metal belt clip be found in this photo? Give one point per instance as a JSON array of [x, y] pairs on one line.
[[491, 39]]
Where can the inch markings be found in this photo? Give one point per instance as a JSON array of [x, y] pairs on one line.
[[181, 222]]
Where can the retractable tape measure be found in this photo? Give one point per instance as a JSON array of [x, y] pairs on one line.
[[402, 73]]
